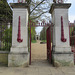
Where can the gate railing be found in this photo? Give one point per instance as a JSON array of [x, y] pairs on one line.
[[72, 38], [5, 36], [49, 42], [35, 24]]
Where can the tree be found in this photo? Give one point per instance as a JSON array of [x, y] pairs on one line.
[[7, 38], [33, 32], [5, 17], [43, 34], [38, 8], [5, 11]]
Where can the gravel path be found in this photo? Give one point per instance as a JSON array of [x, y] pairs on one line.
[[38, 51], [39, 55]]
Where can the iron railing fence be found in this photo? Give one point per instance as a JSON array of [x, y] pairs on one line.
[[5, 36]]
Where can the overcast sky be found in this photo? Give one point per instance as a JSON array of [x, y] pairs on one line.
[[72, 10]]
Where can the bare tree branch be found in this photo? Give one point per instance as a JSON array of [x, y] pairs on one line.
[[37, 6], [39, 15]]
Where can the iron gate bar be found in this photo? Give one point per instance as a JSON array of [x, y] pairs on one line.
[[49, 44], [30, 44]]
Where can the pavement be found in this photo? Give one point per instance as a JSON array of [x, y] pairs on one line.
[[42, 68], [39, 65]]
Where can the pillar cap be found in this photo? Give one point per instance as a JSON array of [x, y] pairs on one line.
[[19, 5], [60, 5]]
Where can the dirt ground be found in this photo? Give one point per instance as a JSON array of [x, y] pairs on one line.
[[39, 54], [38, 51]]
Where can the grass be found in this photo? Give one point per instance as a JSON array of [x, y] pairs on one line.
[[43, 41], [33, 41]]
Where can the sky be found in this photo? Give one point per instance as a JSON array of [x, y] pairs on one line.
[[71, 13], [72, 10]]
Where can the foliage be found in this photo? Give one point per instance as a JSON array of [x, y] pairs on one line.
[[5, 17], [73, 31], [72, 36], [38, 8], [5, 10], [7, 39], [33, 32], [33, 41], [44, 41], [43, 34], [8, 35]]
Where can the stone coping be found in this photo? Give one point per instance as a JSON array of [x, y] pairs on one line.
[[19, 5], [60, 5], [62, 52], [19, 52], [3, 52]]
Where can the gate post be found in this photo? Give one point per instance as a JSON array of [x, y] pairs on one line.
[[19, 55], [61, 54]]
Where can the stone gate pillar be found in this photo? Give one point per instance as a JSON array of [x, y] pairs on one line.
[[19, 55], [61, 54]]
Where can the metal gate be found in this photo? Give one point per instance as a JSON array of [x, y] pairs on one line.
[[49, 43], [72, 38], [47, 25]]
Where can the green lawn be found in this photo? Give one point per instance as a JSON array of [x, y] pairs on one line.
[[43, 41], [33, 41]]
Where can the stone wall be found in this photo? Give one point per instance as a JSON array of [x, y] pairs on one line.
[[4, 58], [63, 59]]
